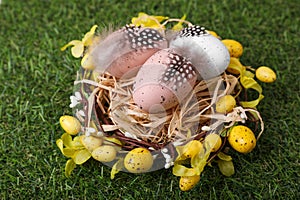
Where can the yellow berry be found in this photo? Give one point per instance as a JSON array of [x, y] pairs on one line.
[[188, 182], [242, 139], [192, 148], [90, 142], [105, 153], [138, 160], [70, 124], [213, 33], [234, 47], [214, 141], [265, 74], [225, 104]]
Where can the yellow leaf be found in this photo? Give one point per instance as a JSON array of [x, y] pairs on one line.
[[87, 62], [76, 143], [248, 82], [60, 145], [77, 50], [69, 152], [179, 26], [146, 20], [72, 43], [235, 66], [224, 156], [70, 166], [81, 156], [226, 167], [253, 103], [249, 74], [67, 140], [116, 168], [199, 162], [180, 170], [87, 40]]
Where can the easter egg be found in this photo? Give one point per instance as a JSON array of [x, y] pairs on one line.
[[70, 124], [242, 139], [265, 74], [225, 104], [188, 182], [207, 53], [124, 51], [138, 160], [214, 141], [192, 148], [91, 142], [105, 153], [234, 47], [164, 80]]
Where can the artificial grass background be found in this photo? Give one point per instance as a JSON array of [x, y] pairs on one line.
[[37, 79]]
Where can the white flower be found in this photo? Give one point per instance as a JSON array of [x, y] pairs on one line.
[[89, 131], [75, 99], [205, 128]]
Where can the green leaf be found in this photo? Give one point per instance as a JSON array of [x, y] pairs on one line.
[[226, 167], [70, 166]]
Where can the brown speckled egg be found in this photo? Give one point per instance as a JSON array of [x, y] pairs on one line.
[[124, 51], [163, 81]]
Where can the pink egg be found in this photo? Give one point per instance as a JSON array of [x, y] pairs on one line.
[[163, 81], [124, 51]]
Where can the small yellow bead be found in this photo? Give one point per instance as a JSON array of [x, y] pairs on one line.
[[225, 104], [234, 47], [70, 124], [265, 74]]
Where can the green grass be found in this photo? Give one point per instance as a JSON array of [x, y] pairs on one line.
[[37, 80]]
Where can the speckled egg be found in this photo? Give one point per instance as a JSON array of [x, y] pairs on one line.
[[138, 160], [70, 124], [124, 51], [207, 53], [234, 47], [188, 182], [242, 139], [105, 153], [265, 74], [163, 81]]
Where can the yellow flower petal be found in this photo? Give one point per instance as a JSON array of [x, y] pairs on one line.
[[179, 26], [87, 40], [70, 166], [76, 143], [146, 20], [180, 170], [69, 152], [72, 43], [81, 156], [67, 140], [77, 50], [60, 144], [116, 168], [226, 167], [248, 82]]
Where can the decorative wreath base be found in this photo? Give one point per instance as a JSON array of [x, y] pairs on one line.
[[108, 125]]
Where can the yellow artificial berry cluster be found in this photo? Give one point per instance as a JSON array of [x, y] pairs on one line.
[[246, 77], [192, 158], [80, 148]]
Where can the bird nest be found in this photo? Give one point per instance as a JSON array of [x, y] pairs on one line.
[[110, 127]]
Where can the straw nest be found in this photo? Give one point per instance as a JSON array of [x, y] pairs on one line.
[[119, 117]]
